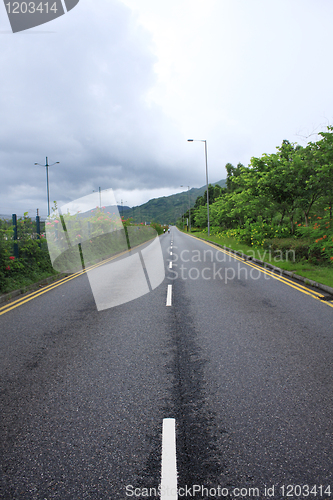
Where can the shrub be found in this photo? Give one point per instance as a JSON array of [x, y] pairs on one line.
[[158, 228], [33, 258], [289, 246], [256, 233], [320, 237]]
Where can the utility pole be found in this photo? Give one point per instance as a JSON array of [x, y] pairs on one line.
[[47, 182]]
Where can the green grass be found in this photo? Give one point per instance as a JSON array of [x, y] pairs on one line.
[[25, 282], [26, 278], [319, 273]]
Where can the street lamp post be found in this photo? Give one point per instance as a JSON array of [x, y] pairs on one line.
[[47, 182], [182, 210], [189, 206], [199, 140], [122, 207]]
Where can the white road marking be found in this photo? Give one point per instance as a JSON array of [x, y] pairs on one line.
[[169, 460], [169, 295], [170, 252], [170, 264]]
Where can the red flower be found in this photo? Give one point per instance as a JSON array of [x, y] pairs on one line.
[[12, 258], [7, 268]]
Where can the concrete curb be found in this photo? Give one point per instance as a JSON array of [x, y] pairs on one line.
[[306, 281], [33, 287]]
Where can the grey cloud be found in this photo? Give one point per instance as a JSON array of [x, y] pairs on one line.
[[78, 97]]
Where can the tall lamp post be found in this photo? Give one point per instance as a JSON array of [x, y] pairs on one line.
[[199, 140], [122, 207], [189, 206], [47, 182], [182, 210]]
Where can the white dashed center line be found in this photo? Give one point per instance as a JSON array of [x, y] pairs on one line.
[[169, 460], [170, 265], [169, 295]]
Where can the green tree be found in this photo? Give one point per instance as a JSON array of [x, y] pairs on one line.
[[234, 177]]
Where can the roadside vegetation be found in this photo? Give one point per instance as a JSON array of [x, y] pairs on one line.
[[278, 209], [26, 260], [32, 263]]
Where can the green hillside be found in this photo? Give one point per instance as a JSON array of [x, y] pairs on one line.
[[167, 209]]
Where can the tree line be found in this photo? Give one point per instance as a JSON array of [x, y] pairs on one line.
[[290, 189]]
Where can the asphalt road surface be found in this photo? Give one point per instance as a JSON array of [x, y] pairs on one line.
[[242, 361]]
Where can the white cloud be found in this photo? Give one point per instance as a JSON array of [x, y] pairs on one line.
[[119, 86]]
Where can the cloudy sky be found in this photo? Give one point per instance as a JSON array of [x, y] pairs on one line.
[[114, 88]]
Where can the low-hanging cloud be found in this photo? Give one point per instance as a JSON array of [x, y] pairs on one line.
[[78, 96]]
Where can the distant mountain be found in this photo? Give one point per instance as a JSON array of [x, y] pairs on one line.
[[167, 209]]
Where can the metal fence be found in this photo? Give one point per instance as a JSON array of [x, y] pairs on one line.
[[22, 229]]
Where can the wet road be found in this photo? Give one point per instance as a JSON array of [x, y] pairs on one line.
[[242, 361]]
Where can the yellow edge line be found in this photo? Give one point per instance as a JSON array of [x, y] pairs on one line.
[[27, 298], [286, 281], [37, 293], [269, 272]]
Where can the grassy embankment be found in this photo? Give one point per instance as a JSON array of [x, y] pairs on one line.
[[28, 281], [319, 273], [34, 268]]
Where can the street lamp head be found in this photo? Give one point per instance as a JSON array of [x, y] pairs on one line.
[[47, 164], [190, 140]]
